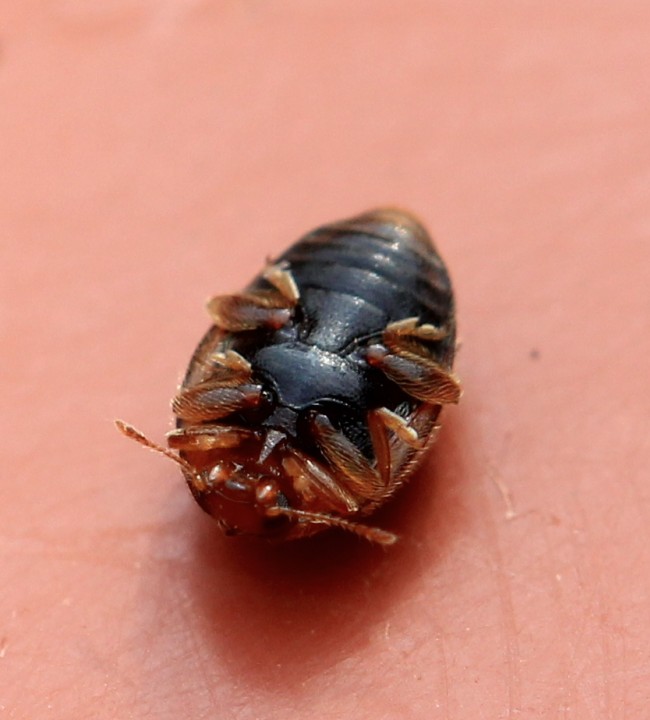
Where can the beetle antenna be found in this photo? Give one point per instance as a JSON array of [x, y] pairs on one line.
[[377, 535], [139, 437]]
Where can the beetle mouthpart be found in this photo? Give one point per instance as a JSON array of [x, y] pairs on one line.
[[373, 534], [220, 474], [266, 494], [240, 503]]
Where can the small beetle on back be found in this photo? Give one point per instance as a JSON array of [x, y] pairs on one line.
[[315, 394]]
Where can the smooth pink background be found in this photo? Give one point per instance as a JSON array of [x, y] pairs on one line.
[[153, 152]]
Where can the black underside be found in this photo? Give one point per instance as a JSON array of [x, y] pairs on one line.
[[351, 286]]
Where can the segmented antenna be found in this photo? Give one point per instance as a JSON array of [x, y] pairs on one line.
[[139, 437], [381, 537]]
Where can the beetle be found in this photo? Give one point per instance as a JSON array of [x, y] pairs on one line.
[[316, 392]]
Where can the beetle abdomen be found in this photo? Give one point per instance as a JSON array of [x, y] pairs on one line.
[[355, 277]]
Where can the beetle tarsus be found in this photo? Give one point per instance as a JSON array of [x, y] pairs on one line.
[[405, 432], [400, 332], [227, 368]]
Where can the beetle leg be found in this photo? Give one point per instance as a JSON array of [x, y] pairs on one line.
[[356, 473], [282, 280], [212, 401], [227, 368], [407, 336], [382, 423], [400, 427], [396, 423], [381, 445], [418, 375], [400, 331], [208, 437], [311, 480], [373, 534], [249, 311]]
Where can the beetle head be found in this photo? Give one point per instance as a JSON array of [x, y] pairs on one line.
[[241, 497], [252, 497]]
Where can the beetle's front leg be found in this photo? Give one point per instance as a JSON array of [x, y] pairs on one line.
[[211, 400], [208, 437]]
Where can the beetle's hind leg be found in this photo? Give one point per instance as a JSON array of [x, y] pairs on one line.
[[404, 358], [353, 470], [249, 311], [256, 309], [318, 486]]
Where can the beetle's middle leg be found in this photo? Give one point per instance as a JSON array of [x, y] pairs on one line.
[[404, 359], [228, 368]]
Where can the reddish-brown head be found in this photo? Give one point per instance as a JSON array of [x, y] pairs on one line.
[[245, 487], [261, 486]]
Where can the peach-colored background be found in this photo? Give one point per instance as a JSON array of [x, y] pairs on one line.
[[152, 153]]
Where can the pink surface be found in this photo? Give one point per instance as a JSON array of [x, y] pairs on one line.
[[153, 153]]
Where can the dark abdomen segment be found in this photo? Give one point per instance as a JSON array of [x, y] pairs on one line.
[[357, 277]]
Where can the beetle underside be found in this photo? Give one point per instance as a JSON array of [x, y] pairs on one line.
[[256, 480]]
